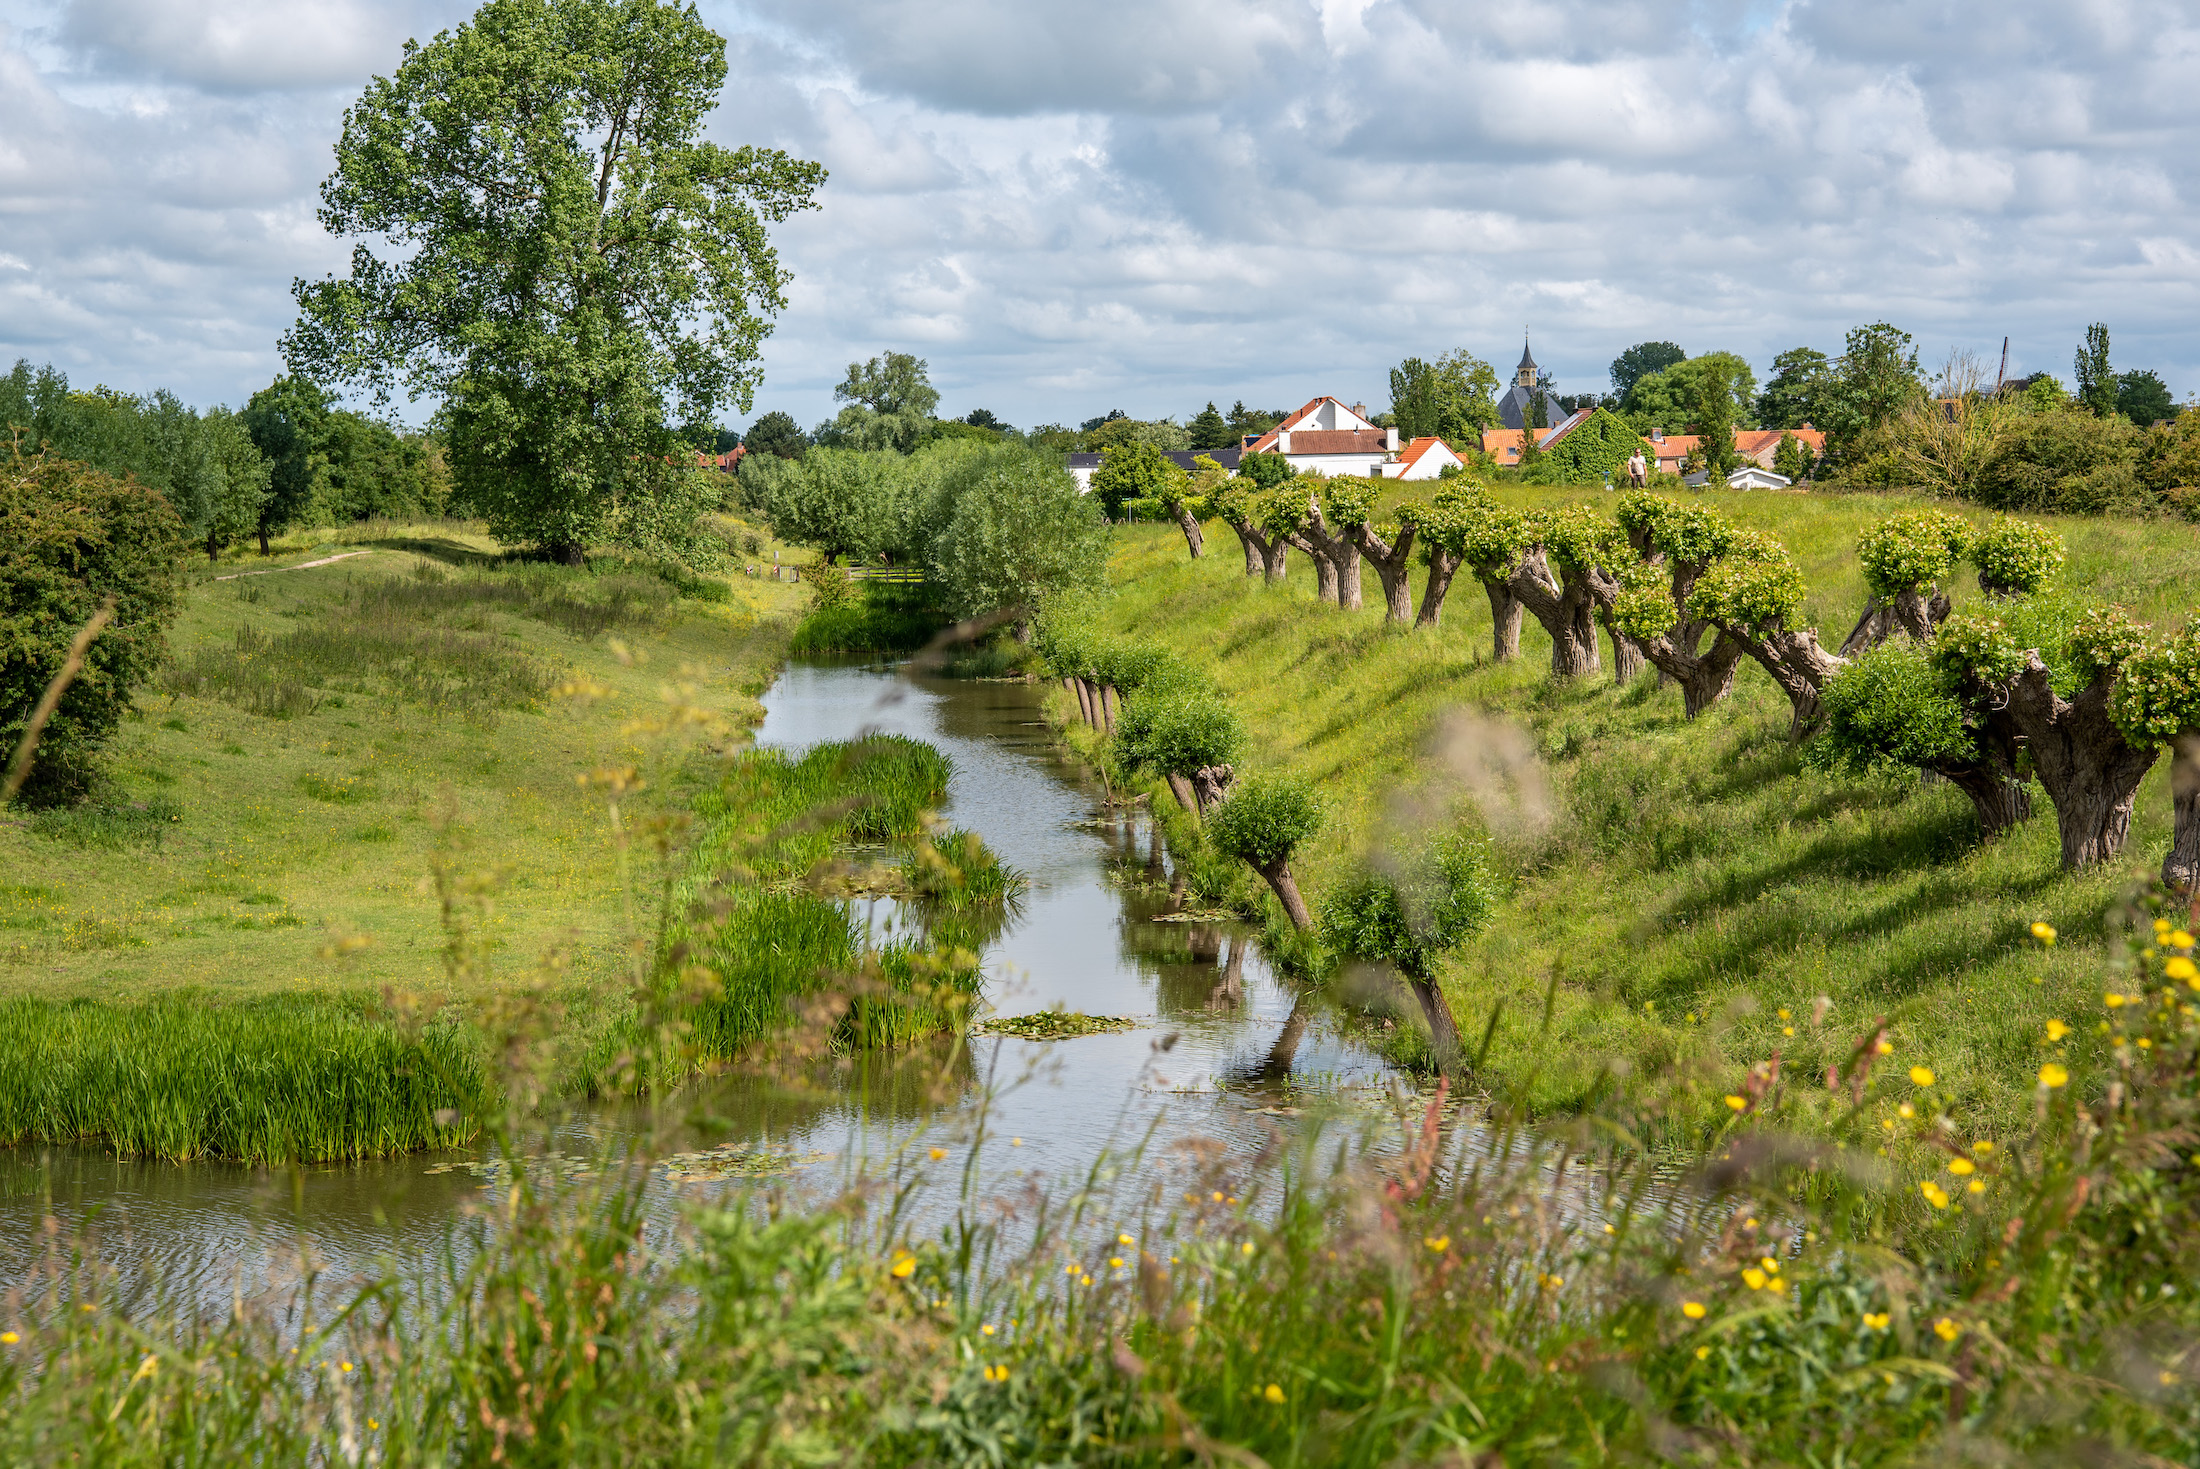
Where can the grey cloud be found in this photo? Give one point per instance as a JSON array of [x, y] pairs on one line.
[[242, 45]]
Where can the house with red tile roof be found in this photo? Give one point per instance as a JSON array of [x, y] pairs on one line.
[[722, 462], [1505, 444], [1424, 458], [1330, 438]]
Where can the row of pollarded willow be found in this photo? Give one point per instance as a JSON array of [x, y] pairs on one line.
[[2075, 695]]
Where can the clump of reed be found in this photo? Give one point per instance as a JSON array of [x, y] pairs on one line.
[[258, 1081], [881, 617]]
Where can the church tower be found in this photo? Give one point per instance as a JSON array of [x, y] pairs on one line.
[[1517, 408]]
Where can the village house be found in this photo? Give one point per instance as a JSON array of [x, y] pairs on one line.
[[1424, 458], [1330, 438], [1082, 464]]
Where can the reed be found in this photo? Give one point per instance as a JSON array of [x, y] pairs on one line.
[[262, 1081]]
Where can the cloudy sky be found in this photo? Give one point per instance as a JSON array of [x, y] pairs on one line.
[[1145, 204]]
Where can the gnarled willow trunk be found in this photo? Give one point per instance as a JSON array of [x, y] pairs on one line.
[[1442, 567], [2090, 770], [1341, 550], [1325, 570], [1628, 660], [1393, 563], [1256, 549], [1567, 610], [2000, 799], [2181, 868], [1195, 539], [1443, 1030], [1286, 889], [1504, 620]]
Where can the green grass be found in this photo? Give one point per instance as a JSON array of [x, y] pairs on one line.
[[432, 771], [1680, 884], [260, 1081], [884, 618]]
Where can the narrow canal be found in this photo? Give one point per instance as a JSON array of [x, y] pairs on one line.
[[1222, 1053]]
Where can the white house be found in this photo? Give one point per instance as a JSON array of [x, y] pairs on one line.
[[1328, 437], [1757, 477], [1423, 459]]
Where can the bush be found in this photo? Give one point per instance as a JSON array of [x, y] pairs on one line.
[[1176, 731], [70, 537], [1408, 919], [1265, 819], [1013, 532]]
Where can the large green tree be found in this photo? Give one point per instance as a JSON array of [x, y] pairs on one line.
[[1641, 360], [1210, 430], [1013, 533], [1453, 398], [890, 401], [1791, 395], [2096, 378], [563, 258], [1875, 378]]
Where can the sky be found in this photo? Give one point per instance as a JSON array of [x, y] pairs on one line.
[[1146, 204]]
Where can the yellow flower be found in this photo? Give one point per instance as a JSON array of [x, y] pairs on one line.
[[2181, 968], [2052, 1075], [1702, 1352], [997, 1374], [1961, 1166], [2180, 940], [986, 1330], [1886, 1048], [1905, 1111], [2145, 1044], [1934, 1194], [343, 1366], [9, 1338], [938, 1153], [1754, 1278], [1783, 1012], [1070, 1268], [1247, 1247], [1437, 1242], [2056, 1030], [1787, 1030], [1739, 1104], [1124, 1239], [1115, 1262], [1946, 1329], [1977, 1185], [1770, 1264], [2161, 925], [2114, 1002], [1921, 1076], [1084, 1280], [1272, 1393], [1693, 1310], [1982, 1147], [2044, 932], [905, 1267], [1877, 1321]]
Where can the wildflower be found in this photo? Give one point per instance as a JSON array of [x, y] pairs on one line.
[[1218, 1196], [1876, 1320], [938, 1153], [2145, 1044], [1961, 1166], [343, 1366], [2182, 968], [1921, 1076], [1084, 1280], [1771, 1265], [1015, 1142], [1886, 1048], [1247, 1247], [374, 1423], [9, 1338], [2166, 1378], [2056, 1030], [986, 1330], [1739, 1104], [997, 1373], [1982, 1147], [2045, 933], [1783, 1012], [1437, 1242], [1702, 1352], [2161, 925], [1905, 1111], [1754, 1278], [1272, 1393], [1934, 1194], [1787, 1030], [2052, 1075], [1976, 1185], [1946, 1329], [86, 1308], [1693, 1310], [1124, 1239], [905, 1265], [1115, 1262], [2180, 940], [1070, 1268], [2114, 1002]]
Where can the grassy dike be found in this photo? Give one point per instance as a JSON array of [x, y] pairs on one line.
[[1683, 893], [364, 801]]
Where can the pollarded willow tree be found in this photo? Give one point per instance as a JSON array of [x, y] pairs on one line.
[[1897, 706], [564, 260], [1263, 824], [1905, 559], [1335, 507], [2157, 700], [1675, 545], [1410, 918], [1186, 734], [1754, 600]]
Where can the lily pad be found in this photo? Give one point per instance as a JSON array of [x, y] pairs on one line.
[[1054, 1025]]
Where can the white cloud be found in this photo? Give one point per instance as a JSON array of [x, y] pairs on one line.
[[1070, 209]]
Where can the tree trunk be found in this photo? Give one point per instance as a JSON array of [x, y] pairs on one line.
[[1195, 539], [1567, 612], [1628, 660], [2090, 770], [1185, 796], [1275, 563], [263, 541], [1255, 548], [1712, 679], [1442, 1029], [1084, 703], [1574, 641], [1341, 549], [1287, 892], [1210, 783], [1504, 621], [1393, 566], [1109, 702], [1442, 567], [213, 549], [1069, 686], [1796, 663], [2181, 868], [1325, 570], [2000, 800]]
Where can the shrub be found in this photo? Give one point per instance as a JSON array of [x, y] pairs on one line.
[[1265, 820], [1407, 919], [2015, 558], [70, 537], [1176, 731]]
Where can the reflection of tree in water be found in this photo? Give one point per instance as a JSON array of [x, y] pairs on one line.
[[889, 1086], [1276, 1065]]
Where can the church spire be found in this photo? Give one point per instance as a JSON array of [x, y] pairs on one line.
[[1525, 374]]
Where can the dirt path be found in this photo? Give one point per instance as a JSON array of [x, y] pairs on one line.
[[301, 566]]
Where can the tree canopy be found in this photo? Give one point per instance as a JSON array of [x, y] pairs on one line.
[[1639, 361], [776, 433], [1011, 531], [1453, 398], [564, 259]]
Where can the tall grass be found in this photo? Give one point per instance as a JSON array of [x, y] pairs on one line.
[[884, 617], [1457, 1287], [264, 1081]]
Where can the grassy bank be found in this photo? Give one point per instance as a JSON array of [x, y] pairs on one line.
[[1417, 1293], [1739, 886], [355, 780]]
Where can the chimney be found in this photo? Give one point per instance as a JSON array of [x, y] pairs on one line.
[[1360, 409], [1657, 436], [1390, 439]]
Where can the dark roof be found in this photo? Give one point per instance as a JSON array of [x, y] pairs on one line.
[[1181, 458]]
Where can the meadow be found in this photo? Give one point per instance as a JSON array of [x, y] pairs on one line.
[[1681, 894], [361, 800]]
